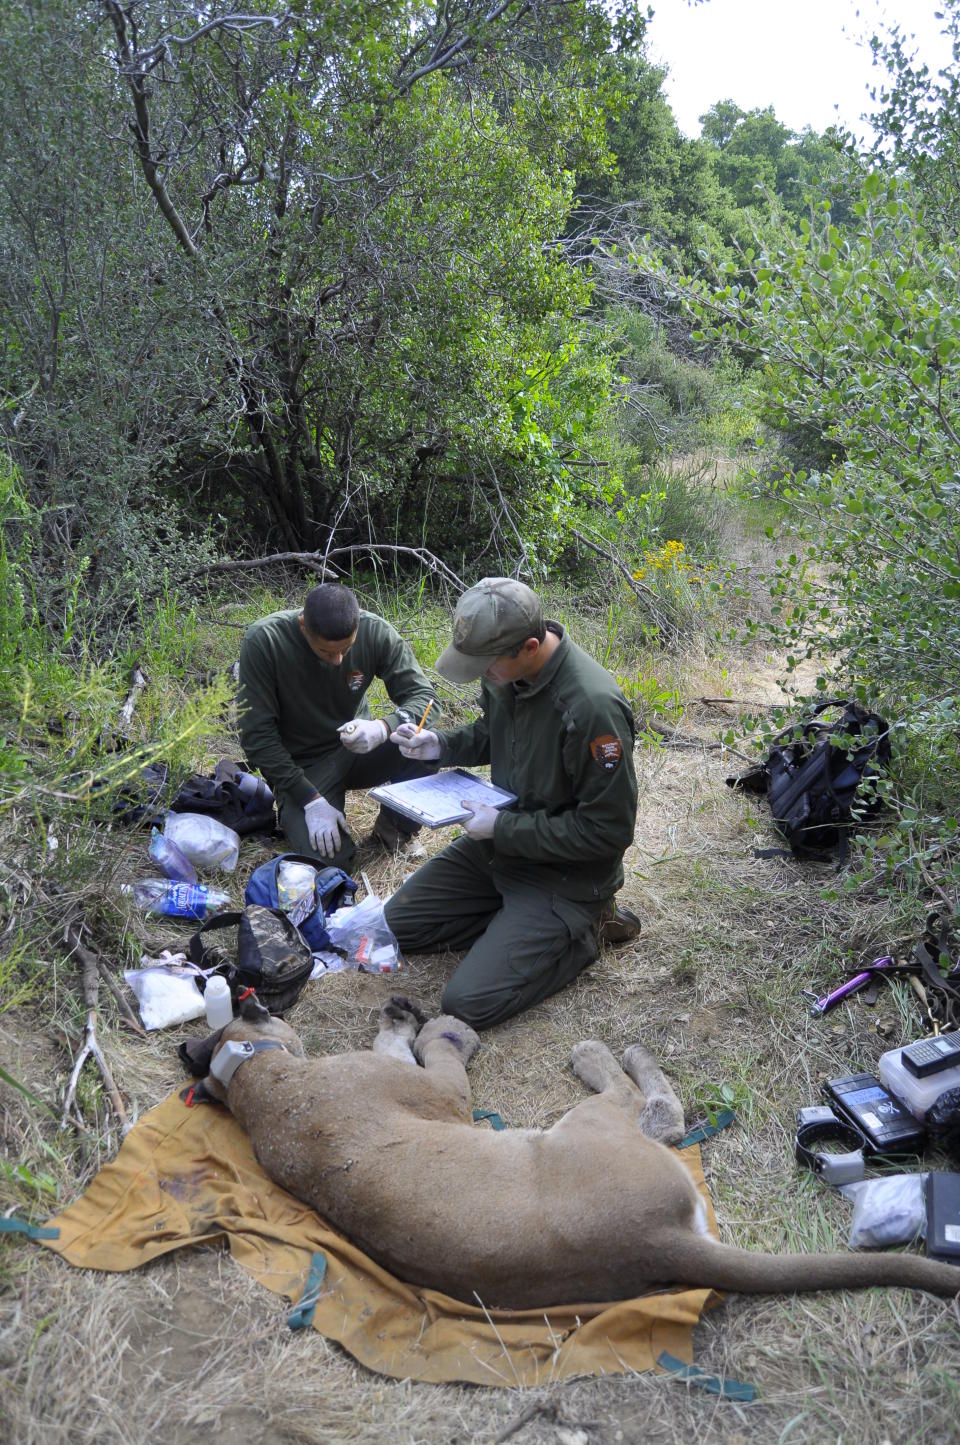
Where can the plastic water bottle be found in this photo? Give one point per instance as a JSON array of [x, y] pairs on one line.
[[217, 1003], [171, 859], [178, 900]]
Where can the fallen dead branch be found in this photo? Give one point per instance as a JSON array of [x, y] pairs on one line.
[[646, 594], [671, 738], [138, 681], [90, 1047], [319, 561]]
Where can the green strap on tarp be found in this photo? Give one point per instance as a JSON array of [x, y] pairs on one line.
[[301, 1316], [706, 1131], [696, 1136], [32, 1231], [495, 1121], [693, 1375]]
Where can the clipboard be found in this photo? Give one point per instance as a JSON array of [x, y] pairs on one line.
[[435, 800]]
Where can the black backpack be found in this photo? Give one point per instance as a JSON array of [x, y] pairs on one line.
[[269, 955], [220, 797], [143, 799], [812, 774]]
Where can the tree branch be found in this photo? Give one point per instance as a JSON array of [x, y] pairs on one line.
[[315, 561]]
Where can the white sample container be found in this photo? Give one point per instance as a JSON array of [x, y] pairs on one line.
[[917, 1094], [217, 1003]]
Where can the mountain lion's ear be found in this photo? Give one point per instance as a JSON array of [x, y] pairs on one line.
[[252, 1011]]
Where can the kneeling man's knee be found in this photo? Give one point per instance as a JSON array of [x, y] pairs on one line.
[[480, 1011]]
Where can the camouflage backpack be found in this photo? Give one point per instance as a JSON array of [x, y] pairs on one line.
[[269, 955]]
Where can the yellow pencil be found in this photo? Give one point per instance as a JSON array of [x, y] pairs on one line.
[[426, 712]]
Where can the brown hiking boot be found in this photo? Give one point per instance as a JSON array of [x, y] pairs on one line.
[[386, 832], [617, 925]]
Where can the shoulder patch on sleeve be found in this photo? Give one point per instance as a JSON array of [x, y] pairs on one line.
[[606, 750]]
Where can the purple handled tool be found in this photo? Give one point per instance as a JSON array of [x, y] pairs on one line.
[[820, 1006]]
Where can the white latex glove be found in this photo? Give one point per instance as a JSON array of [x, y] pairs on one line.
[[323, 826], [363, 734], [481, 822], [423, 745]]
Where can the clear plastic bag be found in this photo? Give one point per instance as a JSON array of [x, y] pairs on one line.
[[886, 1211], [326, 961], [294, 883], [205, 841], [166, 990], [363, 935]]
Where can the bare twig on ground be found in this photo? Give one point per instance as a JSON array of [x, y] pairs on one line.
[[670, 738], [740, 702], [934, 887], [91, 1046], [138, 681], [126, 1012], [544, 1408]]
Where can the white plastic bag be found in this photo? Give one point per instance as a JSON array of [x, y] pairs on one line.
[[207, 843], [891, 1210], [166, 990], [362, 933]]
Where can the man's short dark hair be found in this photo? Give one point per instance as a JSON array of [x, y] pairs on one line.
[[539, 633], [331, 611]]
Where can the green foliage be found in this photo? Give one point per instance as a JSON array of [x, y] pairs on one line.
[[59, 705], [859, 335], [670, 400], [358, 321], [915, 119], [755, 157]]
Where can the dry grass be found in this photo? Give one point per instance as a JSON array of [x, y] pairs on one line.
[[190, 1345], [189, 1349]]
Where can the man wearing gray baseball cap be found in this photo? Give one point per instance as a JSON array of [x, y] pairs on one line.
[[528, 891]]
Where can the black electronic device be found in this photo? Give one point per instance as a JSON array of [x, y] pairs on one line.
[[943, 1216], [888, 1125], [817, 1125], [929, 1056]]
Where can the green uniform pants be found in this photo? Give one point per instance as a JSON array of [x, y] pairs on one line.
[[523, 942], [333, 775]]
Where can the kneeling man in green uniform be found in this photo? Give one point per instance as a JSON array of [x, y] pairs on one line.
[[528, 891], [306, 725]]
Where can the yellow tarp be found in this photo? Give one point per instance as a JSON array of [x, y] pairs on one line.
[[188, 1176]]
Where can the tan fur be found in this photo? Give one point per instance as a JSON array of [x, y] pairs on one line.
[[590, 1209]]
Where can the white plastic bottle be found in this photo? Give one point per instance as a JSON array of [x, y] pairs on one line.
[[217, 1003]]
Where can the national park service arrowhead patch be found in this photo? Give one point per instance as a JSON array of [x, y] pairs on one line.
[[606, 750]]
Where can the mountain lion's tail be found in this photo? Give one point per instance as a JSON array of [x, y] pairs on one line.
[[696, 1259]]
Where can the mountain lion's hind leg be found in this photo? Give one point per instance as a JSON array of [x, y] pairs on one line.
[[662, 1115], [444, 1047], [595, 1066]]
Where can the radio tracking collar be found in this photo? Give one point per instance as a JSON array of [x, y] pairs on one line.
[[818, 1124]]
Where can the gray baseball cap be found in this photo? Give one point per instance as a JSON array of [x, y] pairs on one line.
[[495, 615]]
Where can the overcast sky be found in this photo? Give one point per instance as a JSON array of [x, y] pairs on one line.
[[800, 56]]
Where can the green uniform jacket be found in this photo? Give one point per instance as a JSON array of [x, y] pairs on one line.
[[291, 704], [564, 745]]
